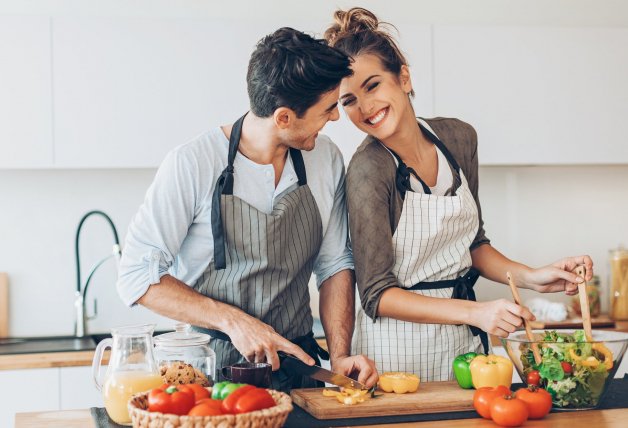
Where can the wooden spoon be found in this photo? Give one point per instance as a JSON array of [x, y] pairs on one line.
[[581, 271], [515, 295]]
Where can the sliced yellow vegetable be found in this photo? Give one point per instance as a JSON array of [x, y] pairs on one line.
[[348, 395], [608, 355], [399, 382]]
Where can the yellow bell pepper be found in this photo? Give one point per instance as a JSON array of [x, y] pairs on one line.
[[491, 370], [399, 382]]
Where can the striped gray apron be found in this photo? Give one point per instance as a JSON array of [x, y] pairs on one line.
[[432, 258], [263, 263]]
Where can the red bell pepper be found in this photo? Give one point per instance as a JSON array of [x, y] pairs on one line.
[[256, 399], [177, 400]]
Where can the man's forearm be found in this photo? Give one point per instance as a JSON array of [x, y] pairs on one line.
[[337, 311], [174, 299]]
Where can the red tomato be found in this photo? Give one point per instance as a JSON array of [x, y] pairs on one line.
[[177, 400], [483, 397], [199, 391], [509, 411], [533, 378], [229, 403], [567, 368], [538, 400], [256, 399]]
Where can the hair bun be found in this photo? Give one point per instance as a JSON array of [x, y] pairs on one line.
[[351, 21]]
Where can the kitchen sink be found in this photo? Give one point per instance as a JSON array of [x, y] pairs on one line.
[[35, 345]]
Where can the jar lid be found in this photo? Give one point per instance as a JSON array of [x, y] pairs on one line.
[[181, 337]]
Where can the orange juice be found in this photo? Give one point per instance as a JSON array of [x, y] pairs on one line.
[[120, 386]]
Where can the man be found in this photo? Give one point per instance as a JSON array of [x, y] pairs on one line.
[[237, 219]]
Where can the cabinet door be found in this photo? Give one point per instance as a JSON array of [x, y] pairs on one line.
[[25, 92], [28, 390], [77, 389], [128, 89], [536, 95]]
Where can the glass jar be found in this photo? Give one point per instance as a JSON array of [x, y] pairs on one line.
[[593, 294], [184, 356], [619, 283]]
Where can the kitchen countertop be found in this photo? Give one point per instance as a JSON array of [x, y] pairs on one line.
[[594, 418], [47, 360]]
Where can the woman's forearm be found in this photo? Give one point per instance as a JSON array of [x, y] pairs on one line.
[[404, 305], [493, 265]]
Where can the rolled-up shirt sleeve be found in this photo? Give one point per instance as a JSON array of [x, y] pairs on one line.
[[369, 191], [335, 253], [158, 229]]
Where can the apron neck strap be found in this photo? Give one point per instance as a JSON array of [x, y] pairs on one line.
[[434, 139], [224, 185], [404, 171], [299, 166]]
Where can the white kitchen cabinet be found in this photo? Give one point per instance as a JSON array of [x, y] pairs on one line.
[[25, 92], [536, 95], [127, 90], [27, 390], [77, 389]]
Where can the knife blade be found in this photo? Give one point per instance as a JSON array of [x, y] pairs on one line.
[[294, 365]]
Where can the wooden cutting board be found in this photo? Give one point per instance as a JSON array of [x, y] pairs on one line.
[[431, 397], [4, 304], [596, 322]]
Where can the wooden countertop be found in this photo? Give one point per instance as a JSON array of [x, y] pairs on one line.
[[47, 360], [586, 419]]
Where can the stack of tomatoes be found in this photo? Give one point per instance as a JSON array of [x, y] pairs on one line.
[[194, 400], [512, 410]]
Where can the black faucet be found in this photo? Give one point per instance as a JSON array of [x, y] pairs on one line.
[[81, 291]]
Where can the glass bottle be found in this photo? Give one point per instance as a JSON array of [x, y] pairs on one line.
[[619, 284]]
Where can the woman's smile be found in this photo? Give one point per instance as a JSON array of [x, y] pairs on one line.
[[376, 120]]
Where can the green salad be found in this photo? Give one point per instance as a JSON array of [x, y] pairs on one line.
[[573, 370]]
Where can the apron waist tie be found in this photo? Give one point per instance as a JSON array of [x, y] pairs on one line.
[[463, 290]]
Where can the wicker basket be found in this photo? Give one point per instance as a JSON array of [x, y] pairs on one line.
[[267, 418]]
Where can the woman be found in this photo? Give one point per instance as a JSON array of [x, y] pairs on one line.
[[415, 220]]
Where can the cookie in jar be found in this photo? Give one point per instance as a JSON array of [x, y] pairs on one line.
[[184, 356]]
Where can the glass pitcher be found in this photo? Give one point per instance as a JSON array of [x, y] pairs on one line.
[[132, 368]]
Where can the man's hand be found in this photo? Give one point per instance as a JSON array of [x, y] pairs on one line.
[[259, 342], [357, 364]]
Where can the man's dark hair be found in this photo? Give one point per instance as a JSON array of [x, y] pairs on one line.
[[291, 69]]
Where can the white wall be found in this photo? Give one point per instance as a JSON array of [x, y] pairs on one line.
[[534, 215]]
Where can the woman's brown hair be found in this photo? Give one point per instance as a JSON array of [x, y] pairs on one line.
[[357, 31]]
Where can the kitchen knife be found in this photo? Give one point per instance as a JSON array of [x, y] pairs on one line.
[[296, 366]]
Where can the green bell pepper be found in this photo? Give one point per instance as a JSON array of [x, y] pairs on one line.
[[217, 389], [462, 372], [221, 390]]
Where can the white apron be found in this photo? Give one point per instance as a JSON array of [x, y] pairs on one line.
[[431, 244]]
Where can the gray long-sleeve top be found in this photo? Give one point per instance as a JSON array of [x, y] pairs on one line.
[[375, 205]]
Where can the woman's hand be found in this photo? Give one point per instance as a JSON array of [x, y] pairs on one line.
[[558, 276], [500, 317]]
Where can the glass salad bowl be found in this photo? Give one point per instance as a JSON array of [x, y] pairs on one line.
[[577, 373]]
